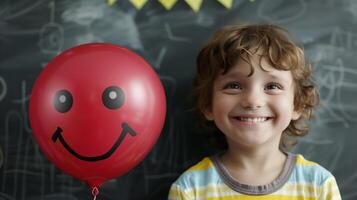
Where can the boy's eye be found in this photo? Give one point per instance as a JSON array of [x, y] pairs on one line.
[[233, 85], [274, 86]]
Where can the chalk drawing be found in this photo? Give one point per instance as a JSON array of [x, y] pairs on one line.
[[160, 57], [4, 196], [173, 37], [23, 102], [1, 157], [3, 87], [351, 7], [270, 11], [51, 34], [15, 11], [9, 116]]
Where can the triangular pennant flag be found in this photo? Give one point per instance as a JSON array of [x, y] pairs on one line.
[[226, 3], [194, 4], [138, 3], [111, 2], [168, 4]]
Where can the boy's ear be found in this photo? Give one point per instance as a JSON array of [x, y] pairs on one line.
[[208, 115], [296, 114]]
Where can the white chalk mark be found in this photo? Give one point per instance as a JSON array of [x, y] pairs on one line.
[[51, 38], [51, 34], [20, 32], [334, 116], [24, 181], [3, 87], [88, 37], [11, 114], [266, 10], [19, 145], [6, 138], [171, 36], [343, 41], [24, 98], [4, 196], [204, 19], [339, 68], [51, 5], [28, 9], [83, 13], [317, 142], [1, 157], [23, 101], [351, 7], [160, 57], [21, 171], [332, 79]]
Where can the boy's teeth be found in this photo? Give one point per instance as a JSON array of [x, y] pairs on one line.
[[252, 119]]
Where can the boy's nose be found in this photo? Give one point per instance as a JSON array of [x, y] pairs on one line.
[[252, 99]]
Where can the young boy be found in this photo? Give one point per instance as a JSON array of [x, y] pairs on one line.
[[254, 86]]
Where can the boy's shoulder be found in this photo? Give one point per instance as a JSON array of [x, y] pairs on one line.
[[204, 164], [197, 175], [204, 173], [309, 171]]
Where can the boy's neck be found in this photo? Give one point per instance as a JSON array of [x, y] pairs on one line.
[[255, 158], [254, 166], [251, 157]]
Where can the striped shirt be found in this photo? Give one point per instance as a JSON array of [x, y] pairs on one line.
[[300, 179]]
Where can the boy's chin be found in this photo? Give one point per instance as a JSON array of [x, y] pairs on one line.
[[254, 141]]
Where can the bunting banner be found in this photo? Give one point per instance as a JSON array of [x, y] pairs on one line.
[[111, 2], [195, 5], [138, 4], [168, 4], [226, 3]]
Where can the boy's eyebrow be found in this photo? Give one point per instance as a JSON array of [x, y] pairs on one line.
[[274, 76], [232, 75]]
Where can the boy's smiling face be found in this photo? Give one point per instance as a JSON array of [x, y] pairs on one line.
[[253, 110]]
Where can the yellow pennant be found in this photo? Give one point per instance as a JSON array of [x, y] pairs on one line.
[[194, 4], [168, 4], [111, 2], [138, 3], [226, 3]]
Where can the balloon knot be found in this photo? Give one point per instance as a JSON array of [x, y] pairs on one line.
[[95, 192]]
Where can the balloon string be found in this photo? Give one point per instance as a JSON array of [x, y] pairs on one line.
[[95, 192]]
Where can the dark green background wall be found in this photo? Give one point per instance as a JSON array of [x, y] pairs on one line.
[[32, 32]]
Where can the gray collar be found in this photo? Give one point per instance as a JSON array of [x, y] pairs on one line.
[[255, 190]]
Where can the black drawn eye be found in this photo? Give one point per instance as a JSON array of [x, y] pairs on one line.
[[113, 97], [63, 101]]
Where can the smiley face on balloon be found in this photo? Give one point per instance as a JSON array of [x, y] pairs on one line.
[[96, 110]]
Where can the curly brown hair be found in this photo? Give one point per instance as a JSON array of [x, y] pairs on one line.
[[233, 42]]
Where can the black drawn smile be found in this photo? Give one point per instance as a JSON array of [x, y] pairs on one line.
[[125, 130]]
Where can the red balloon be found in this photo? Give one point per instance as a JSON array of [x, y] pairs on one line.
[[96, 111]]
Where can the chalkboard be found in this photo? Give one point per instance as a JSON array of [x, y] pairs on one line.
[[32, 32]]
